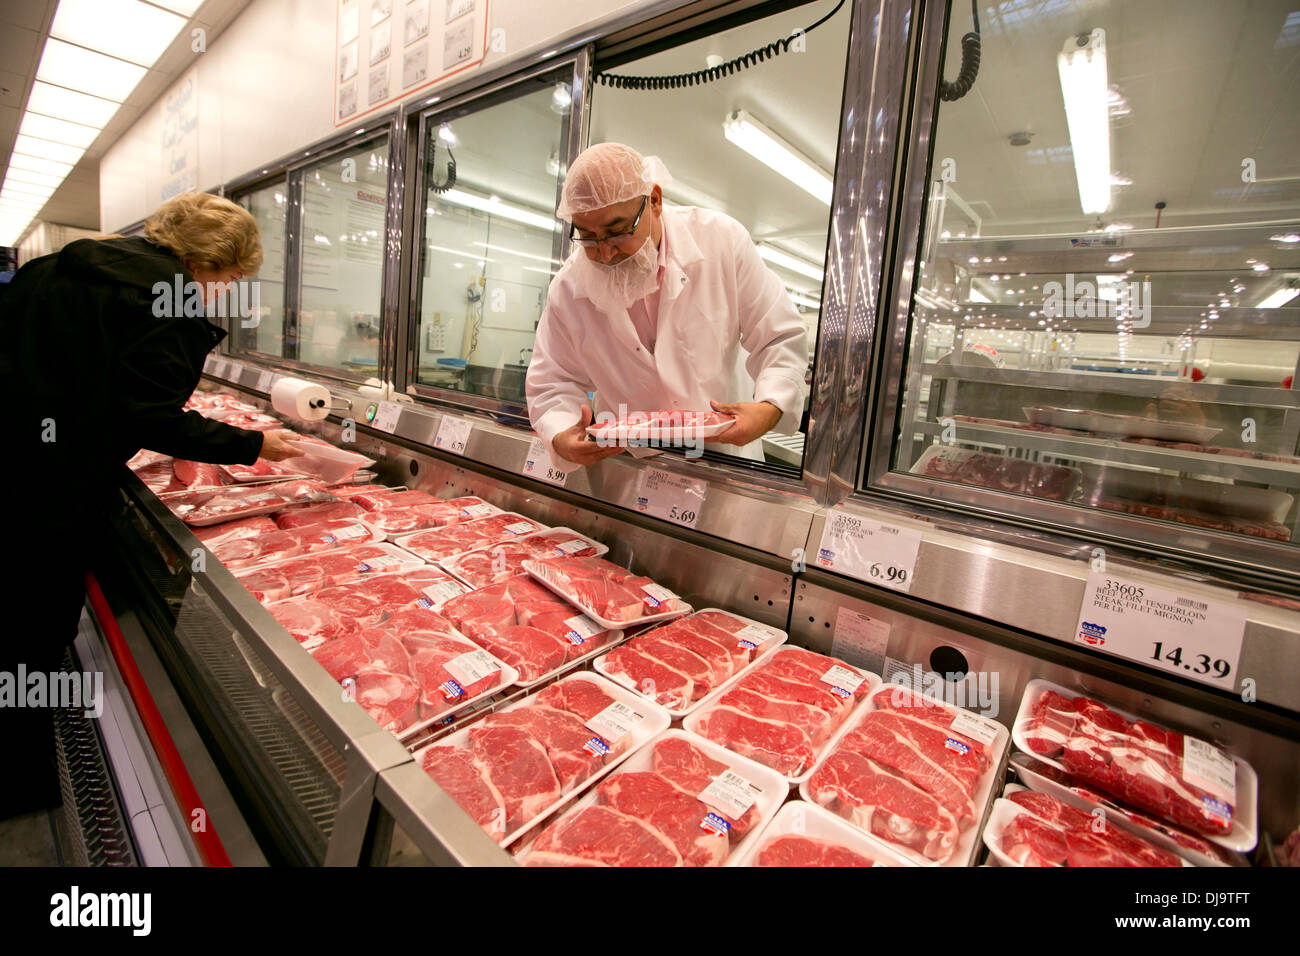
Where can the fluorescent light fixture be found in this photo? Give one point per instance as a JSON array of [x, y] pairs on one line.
[[60, 103], [46, 149], [459, 252], [126, 29], [1085, 91], [57, 130], [27, 189], [516, 252], [183, 7], [768, 148], [33, 164], [33, 179], [1279, 298], [787, 261], [547, 272], [458, 197], [87, 71]]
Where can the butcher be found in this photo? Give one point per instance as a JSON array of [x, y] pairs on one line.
[[92, 369], [660, 308]]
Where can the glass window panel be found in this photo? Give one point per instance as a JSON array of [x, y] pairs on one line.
[[344, 202], [490, 240], [265, 332], [794, 99], [1106, 310]]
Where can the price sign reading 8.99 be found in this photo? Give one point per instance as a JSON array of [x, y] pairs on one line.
[[537, 464]]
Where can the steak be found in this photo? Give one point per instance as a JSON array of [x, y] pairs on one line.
[[786, 748], [1053, 833], [304, 516], [516, 765], [312, 623], [440, 689], [391, 699], [673, 812], [457, 772], [582, 698], [794, 850], [562, 734], [661, 683], [692, 770], [531, 652], [604, 836]]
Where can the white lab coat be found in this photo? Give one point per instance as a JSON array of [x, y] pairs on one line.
[[717, 298]]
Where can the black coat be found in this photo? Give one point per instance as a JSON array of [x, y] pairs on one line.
[[84, 359]]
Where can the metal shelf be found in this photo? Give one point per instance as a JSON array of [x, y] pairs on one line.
[[1118, 383], [1112, 451]]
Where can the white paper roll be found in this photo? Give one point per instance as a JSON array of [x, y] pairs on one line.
[[296, 398]]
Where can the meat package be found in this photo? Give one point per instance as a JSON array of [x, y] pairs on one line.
[[784, 712], [679, 663], [805, 835], [664, 426], [373, 600], [612, 595], [1000, 472], [1034, 829], [312, 572], [261, 470], [1181, 779], [304, 516], [253, 421], [216, 404], [407, 672], [914, 773], [436, 544], [243, 544], [225, 504], [1045, 778], [678, 801], [515, 766], [197, 475], [1128, 426], [431, 513], [527, 626], [500, 561], [156, 475], [1257, 527]]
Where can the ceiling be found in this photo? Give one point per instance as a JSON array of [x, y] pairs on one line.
[[24, 27]]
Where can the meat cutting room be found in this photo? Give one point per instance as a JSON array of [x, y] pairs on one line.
[[898, 465]]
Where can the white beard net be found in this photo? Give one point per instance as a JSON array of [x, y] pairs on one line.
[[612, 288]]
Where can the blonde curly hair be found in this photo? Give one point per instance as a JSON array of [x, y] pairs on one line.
[[207, 232]]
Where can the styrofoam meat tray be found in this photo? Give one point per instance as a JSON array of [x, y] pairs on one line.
[[873, 681], [964, 853], [616, 638], [1004, 811], [508, 677], [408, 535], [1194, 494], [800, 818], [451, 564], [538, 571], [1129, 426], [658, 433], [1244, 834], [1022, 763], [654, 721], [762, 652], [771, 786], [326, 462]]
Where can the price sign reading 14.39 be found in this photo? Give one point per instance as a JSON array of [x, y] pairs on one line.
[[1187, 635]]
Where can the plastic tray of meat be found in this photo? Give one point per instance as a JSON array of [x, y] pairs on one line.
[[346, 492], [786, 712], [680, 663], [530, 628], [1152, 768], [326, 462], [438, 544], [1173, 493], [253, 421], [308, 573], [914, 773], [677, 801], [607, 593], [245, 548], [375, 599], [1033, 829], [1056, 783], [202, 508], [999, 472], [803, 834], [515, 767], [495, 563], [1127, 426], [662, 427], [260, 471], [197, 475]]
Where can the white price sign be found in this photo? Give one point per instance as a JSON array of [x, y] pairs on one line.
[[386, 417], [265, 380], [221, 369], [453, 434], [860, 639], [538, 465], [671, 497], [872, 551], [209, 364], [1191, 636]]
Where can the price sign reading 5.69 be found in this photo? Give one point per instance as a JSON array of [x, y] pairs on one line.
[[671, 497]]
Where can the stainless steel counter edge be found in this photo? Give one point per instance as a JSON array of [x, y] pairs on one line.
[[1041, 592], [434, 822], [734, 509]]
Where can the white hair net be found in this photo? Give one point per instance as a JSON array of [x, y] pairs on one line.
[[609, 173]]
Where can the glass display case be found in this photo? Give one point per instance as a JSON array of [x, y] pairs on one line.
[[1098, 304], [269, 206]]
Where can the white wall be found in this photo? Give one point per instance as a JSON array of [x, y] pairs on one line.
[[266, 88]]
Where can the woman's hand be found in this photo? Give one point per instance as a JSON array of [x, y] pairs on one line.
[[276, 448]]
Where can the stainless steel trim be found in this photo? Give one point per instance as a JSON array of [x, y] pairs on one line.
[[391, 301], [445, 834]]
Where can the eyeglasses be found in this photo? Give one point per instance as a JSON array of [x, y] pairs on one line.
[[622, 242]]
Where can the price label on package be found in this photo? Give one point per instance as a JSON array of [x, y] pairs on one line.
[[436, 595], [1191, 636], [453, 435], [265, 380], [872, 551], [731, 793], [615, 722], [671, 497], [386, 417], [471, 667], [538, 465]]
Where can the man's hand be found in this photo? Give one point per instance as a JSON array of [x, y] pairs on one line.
[[753, 420], [275, 447], [575, 445]]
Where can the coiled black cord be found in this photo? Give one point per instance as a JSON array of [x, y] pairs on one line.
[[434, 186], [700, 77], [970, 63]]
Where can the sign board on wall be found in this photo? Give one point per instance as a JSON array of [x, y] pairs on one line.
[[389, 49], [180, 137]]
